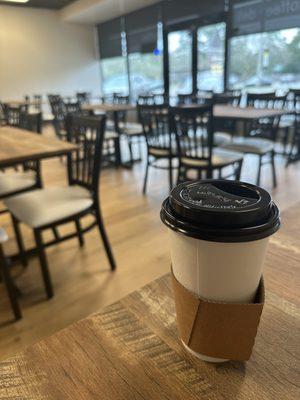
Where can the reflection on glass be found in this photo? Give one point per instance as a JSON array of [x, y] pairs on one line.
[[180, 62], [265, 60], [146, 73], [211, 55], [114, 75]]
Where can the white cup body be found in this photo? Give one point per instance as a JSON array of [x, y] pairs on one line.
[[218, 271]]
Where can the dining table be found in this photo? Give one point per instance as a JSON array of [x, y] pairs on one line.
[[19, 145], [130, 349]]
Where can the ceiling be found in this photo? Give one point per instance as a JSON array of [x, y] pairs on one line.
[[50, 4]]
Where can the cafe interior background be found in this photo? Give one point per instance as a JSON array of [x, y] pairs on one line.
[[61, 56]]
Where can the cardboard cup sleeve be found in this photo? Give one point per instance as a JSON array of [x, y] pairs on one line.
[[217, 329]]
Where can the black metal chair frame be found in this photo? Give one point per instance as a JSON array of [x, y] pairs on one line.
[[9, 284], [295, 156], [194, 131], [84, 167], [158, 134]]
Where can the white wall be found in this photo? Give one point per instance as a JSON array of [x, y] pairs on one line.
[[40, 54]]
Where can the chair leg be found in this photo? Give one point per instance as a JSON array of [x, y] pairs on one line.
[[273, 169], [79, 232], [146, 177], [105, 240], [55, 233], [259, 171], [20, 243], [118, 159], [43, 262], [130, 151], [170, 174], [9, 286]]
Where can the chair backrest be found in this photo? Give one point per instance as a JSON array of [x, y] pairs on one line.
[[120, 99], [84, 165], [261, 100], [72, 107], [194, 132], [31, 122], [227, 98], [146, 99], [155, 120], [186, 98], [12, 114], [83, 97]]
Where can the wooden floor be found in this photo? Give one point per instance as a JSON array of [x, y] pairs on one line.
[[82, 280]]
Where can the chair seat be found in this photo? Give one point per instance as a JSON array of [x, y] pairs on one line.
[[220, 158], [161, 152], [250, 145], [221, 138], [111, 135], [12, 182], [132, 129], [41, 207]]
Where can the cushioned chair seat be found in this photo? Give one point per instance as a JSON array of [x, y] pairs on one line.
[[220, 157], [162, 152], [221, 138], [132, 129], [111, 135], [250, 145], [41, 207], [11, 182]]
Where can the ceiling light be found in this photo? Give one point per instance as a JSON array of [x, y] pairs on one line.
[[16, 1]]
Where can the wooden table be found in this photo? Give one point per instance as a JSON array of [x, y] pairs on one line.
[[18, 103], [18, 145], [109, 107], [130, 349], [246, 113]]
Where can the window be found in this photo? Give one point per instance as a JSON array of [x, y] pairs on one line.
[[211, 56], [114, 75], [266, 60], [180, 62]]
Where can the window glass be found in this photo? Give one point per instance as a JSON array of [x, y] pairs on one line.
[[180, 62], [211, 55], [265, 60], [114, 76]]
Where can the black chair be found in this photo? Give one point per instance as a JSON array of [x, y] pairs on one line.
[[260, 135], [225, 128], [38, 101], [52, 207], [58, 110], [12, 114], [83, 97], [294, 153], [186, 99], [72, 107], [195, 142], [160, 140], [7, 279], [148, 99]]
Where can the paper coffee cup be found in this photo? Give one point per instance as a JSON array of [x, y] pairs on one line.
[[219, 232]]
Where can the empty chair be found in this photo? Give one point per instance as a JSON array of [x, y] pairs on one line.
[[194, 133], [12, 114], [59, 113], [160, 140], [52, 207], [7, 279], [294, 153], [72, 107], [260, 136], [186, 99], [83, 97], [28, 177]]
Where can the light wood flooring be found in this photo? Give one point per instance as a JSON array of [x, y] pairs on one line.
[[81, 277]]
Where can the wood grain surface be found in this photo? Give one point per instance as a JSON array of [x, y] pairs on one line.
[[245, 113], [130, 349], [108, 107], [18, 145]]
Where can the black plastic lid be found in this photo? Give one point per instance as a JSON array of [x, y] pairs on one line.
[[221, 210]]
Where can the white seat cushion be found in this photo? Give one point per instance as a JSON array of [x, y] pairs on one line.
[[220, 158], [11, 182], [45, 206], [250, 145], [221, 138], [132, 129], [111, 135]]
